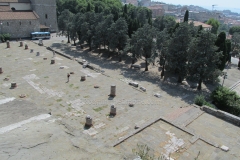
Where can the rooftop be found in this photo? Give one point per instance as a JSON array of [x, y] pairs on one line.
[[18, 15]]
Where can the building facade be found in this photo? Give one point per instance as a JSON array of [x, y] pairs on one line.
[[21, 17]]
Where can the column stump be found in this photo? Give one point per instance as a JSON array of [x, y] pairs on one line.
[[52, 61], [113, 110], [13, 85], [113, 91], [1, 71]]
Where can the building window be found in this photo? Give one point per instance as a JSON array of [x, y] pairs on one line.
[[7, 24], [30, 22], [46, 16], [20, 23]]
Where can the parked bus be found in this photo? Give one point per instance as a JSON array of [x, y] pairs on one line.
[[40, 35]]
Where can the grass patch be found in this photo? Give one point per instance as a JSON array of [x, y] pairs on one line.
[[62, 105], [59, 100], [99, 108], [71, 85], [8, 55], [76, 87], [46, 77], [69, 104], [77, 95], [8, 75], [69, 109], [86, 97], [50, 104]]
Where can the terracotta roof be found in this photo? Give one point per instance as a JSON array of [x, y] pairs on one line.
[[5, 8], [17, 15], [204, 25], [14, 1], [156, 7]]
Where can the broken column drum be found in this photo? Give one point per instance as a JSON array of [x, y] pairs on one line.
[[113, 110], [83, 78], [21, 44], [88, 120], [26, 46], [113, 90], [52, 61], [13, 85], [1, 71], [38, 54], [8, 44]]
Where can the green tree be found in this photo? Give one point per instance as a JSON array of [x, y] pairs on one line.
[[234, 29], [65, 22], [221, 44], [144, 43], [102, 31], [203, 60], [118, 35], [236, 43], [78, 19], [163, 22], [186, 16], [215, 24], [162, 48], [228, 49], [178, 50], [88, 27]]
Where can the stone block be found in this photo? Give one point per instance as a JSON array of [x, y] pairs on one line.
[[135, 84], [224, 148]]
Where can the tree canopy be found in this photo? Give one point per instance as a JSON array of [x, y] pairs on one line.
[[234, 29], [215, 24]]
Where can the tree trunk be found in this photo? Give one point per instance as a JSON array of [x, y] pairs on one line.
[[74, 41], [162, 73], [146, 65], [179, 79], [133, 60], [120, 59], [199, 84], [68, 37]]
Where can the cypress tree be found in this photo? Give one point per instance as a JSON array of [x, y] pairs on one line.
[[221, 44], [88, 7], [186, 16]]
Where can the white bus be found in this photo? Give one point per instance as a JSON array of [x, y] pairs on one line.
[[40, 35]]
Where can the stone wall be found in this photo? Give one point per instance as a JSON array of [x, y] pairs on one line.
[[46, 10], [20, 28], [222, 115]]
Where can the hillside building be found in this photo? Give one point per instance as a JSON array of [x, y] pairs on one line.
[[21, 17]]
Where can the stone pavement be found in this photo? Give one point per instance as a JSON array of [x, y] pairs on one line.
[[48, 123]]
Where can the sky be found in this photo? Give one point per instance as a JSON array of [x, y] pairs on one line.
[[233, 5]]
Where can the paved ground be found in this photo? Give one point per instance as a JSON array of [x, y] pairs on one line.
[[49, 122]]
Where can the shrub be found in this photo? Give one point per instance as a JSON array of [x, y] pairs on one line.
[[5, 37], [200, 101], [226, 100]]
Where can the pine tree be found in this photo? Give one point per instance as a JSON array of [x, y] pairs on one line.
[[177, 51], [144, 43], [203, 60]]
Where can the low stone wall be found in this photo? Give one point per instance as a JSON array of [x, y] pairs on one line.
[[223, 115]]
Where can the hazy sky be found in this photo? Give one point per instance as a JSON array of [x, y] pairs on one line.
[[206, 3]]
